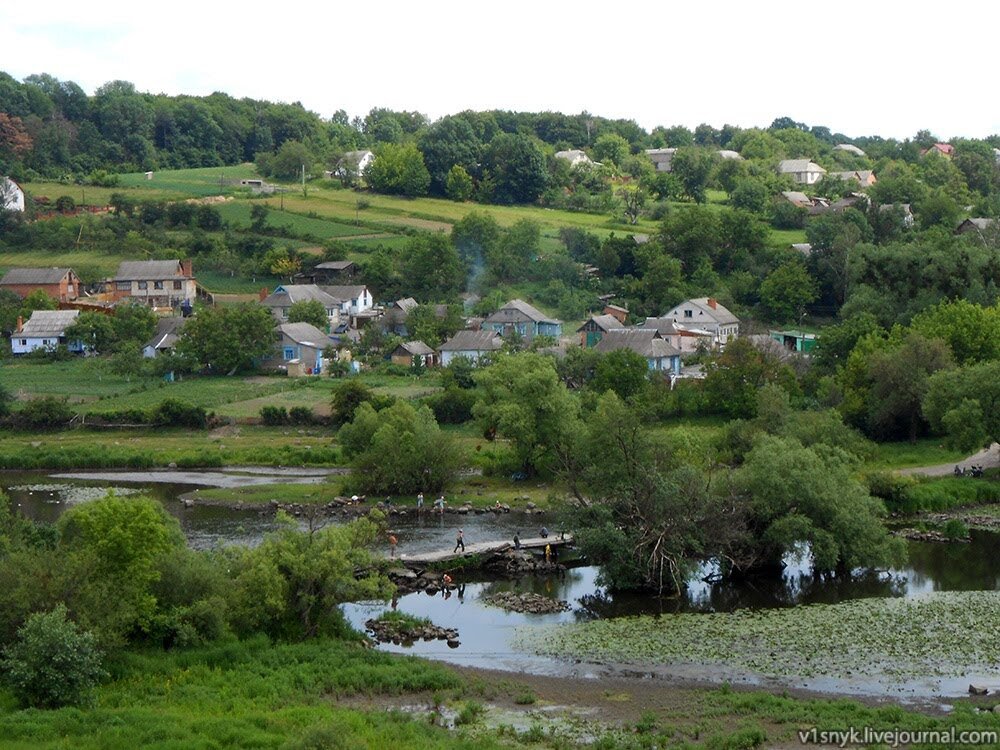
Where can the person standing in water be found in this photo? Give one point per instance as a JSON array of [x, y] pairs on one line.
[[459, 542]]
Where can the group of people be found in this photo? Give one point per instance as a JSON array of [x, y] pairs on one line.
[[974, 471], [438, 504]]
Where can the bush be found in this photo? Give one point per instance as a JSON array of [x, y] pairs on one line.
[[43, 414], [955, 529], [453, 405], [52, 663], [274, 416], [301, 415], [178, 414]]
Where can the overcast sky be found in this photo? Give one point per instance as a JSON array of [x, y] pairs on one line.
[[879, 67]]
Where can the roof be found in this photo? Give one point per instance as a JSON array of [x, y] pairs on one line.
[[167, 331], [719, 313], [604, 322], [728, 154], [794, 166], [406, 304], [35, 275], [643, 341], [342, 292], [517, 310], [473, 341], [802, 247], [148, 270], [849, 148], [335, 265], [305, 333], [286, 295], [978, 223], [797, 197], [573, 156], [663, 326], [48, 323], [415, 348]]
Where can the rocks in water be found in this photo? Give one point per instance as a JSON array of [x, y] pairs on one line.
[[917, 535], [527, 603], [404, 633], [513, 563], [978, 690]]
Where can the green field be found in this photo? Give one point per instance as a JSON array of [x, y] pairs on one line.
[[238, 215]]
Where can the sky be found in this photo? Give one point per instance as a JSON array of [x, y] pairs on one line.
[[879, 67]]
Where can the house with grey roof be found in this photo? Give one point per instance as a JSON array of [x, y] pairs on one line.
[[46, 330], [849, 148], [411, 353], [575, 157], [473, 345], [157, 283], [59, 283], [596, 326], [706, 314], [662, 158], [164, 338], [659, 354], [11, 195], [801, 171], [517, 317], [685, 339], [355, 299], [864, 177], [976, 226], [280, 301], [298, 350]]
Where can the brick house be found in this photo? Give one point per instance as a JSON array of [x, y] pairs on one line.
[[59, 283]]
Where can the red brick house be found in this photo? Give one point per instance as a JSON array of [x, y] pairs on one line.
[[59, 283]]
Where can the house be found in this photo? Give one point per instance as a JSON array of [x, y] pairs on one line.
[[795, 341], [413, 353], [941, 149], [164, 338], [11, 195], [333, 270], [59, 283], [685, 339], [797, 199], [706, 314], [280, 301], [975, 226], [661, 158], [727, 155], [299, 349], [903, 208], [46, 329], [594, 329], [803, 247], [354, 300], [801, 171], [258, 187], [864, 177], [575, 157], [617, 311], [659, 354], [157, 283], [397, 314], [849, 148], [474, 345], [352, 163], [518, 317]]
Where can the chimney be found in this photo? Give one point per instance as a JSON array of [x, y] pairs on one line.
[[263, 293], [20, 324], [712, 303], [187, 269]]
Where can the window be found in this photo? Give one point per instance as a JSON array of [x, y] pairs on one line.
[[178, 285], [143, 285], [157, 285], [284, 312], [689, 313], [123, 286], [24, 342], [289, 353]]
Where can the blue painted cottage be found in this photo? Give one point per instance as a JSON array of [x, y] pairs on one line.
[[517, 316], [646, 342]]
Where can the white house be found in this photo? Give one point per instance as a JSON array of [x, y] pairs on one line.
[[285, 295], [164, 338], [474, 345], [802, 171], [11, 195], [849, 148], [46, 329], [353, 163], [354, 300], [661, 158], [575, 157], [706, 314]]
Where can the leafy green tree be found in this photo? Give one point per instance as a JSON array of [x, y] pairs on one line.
[[309, 311], [399, 450], [291, 586], [964, 404], [425, 323], [448, 144], [510, 258], [515, 169], [787, 290], [522, 399], [622, 371], [53, 663], [733, 378], [458, 185], [133, 323], [798, 495], [693, 167], [95, 330], [398, 170], [433, 268], [348, 395], [836, 341], [971, 331], [612, 148], [228, 339], [475, 236]]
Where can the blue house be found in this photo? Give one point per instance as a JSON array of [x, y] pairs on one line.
[[518, 317], [299, 349], [646, 342]]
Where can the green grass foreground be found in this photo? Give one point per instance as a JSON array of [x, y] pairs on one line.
[[934, 635], [243, 694]]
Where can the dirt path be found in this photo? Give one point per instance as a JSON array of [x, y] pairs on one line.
[[988, 458]]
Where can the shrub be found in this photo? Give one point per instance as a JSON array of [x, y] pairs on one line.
[[43, 414], [301, 415], [471, 711], [954, 528], [453, 405], [274, 416], [53, 662], [178, 414]]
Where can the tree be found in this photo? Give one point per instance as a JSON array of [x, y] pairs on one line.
[[622, 371], [515, 168], [448, 144], [693, 167], [964, 404], [433, 268], [133, 323], [228, 339], [398, 170], [971, 331], [53, 663], [733, 378], [309, 311], [633, 200], [399, 450], [611, 147], [458, 185], [522, 399], [787, 290], [287, 162], [799, 495], [95, 330], [510, 258]]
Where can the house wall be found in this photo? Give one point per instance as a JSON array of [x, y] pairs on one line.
[[65, 291], [20, 344], [474, 355], [155, 293]]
